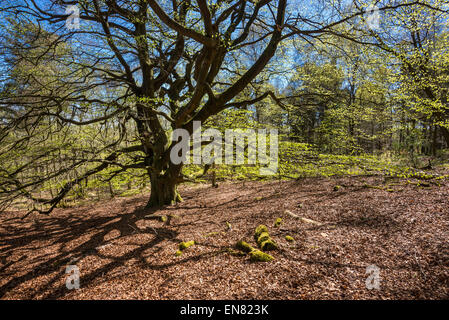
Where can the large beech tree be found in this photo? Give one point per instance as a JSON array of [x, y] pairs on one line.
[[159, 65]]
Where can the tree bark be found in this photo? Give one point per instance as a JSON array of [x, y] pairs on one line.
[[445, 132], [164, 189]]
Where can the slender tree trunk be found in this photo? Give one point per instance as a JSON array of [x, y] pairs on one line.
[[434, 140], [111, 190], [445, 133], [214, 177]]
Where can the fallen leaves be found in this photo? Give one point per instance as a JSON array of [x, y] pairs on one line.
[[123, 253]]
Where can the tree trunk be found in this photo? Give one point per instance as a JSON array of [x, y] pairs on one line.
[[434, 140], [164, 189], [445, 132]]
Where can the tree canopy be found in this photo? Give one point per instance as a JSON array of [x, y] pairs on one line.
[[103, 99]]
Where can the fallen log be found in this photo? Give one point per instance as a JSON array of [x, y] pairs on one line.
[[305, 220]]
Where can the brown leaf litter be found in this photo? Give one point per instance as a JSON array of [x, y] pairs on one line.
[[124, 252]]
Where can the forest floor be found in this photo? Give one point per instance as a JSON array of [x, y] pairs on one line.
[[124, 252]]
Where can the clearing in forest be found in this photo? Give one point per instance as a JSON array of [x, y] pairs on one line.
[[126, 252]]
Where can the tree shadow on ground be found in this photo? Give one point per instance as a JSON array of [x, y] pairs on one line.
[[63, 231]]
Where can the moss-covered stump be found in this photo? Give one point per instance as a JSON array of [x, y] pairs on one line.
[[245, 247], [259, 230], [278, 222], [259, 256], [264, 236], [268, 245], [254, 254], [185, 245], [263, 239], [236, 253]]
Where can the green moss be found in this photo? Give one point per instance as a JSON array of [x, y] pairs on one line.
[[228, 225], [264, 236], [245, 247], [372, 187], [178, 253], [163, 218], [185, 245], [259, 256], [336, 188], [235, 252], [211, 234], [278, 222], [259, 230], [268, 245], [289, 239]]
